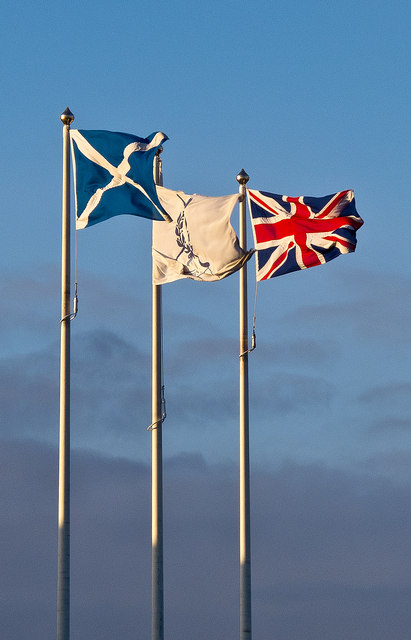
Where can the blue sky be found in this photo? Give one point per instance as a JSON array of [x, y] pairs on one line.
[[310, 98]]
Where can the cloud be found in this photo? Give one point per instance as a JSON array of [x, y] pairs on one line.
[[392, 462], [297, 413], [298, 351], [32, 320], [391, 404], [111, 389], [389, 395], [286, 393], [328, 549], [110, 392], [311, 377], [391, 424], [377, 308], [33, 308]]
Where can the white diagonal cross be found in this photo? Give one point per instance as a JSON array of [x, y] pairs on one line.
[[119, 173]]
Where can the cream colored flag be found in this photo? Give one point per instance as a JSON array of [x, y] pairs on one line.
[[200, 242]]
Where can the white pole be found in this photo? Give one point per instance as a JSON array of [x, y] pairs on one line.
[[157, 459], [63, 569], [245, 547]]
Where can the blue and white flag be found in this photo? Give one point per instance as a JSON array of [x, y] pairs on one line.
[[113, 175]]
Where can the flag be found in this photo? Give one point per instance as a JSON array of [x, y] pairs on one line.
[[296, 233], [113, 174], [200, 242]]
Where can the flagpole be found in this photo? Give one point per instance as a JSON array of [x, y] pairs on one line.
[[157, 456], [245, 546], [63, 561]]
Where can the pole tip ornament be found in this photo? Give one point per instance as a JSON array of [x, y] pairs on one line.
[[67, 117], [243, 177]]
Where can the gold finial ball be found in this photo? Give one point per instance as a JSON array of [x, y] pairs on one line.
[[67, 117], [243, 177]]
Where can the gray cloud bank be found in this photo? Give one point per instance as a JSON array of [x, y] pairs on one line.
[[330, 559], [303, 413]]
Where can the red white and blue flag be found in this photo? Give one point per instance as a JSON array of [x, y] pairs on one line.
[[296, 233]]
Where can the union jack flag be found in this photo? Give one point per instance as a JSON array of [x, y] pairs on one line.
[[297, 233]]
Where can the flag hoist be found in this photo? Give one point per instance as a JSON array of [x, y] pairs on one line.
[[245, 546], [63, 568]]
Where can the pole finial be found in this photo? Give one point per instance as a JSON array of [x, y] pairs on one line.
[[243, 177], [159, 151], [67, 117]]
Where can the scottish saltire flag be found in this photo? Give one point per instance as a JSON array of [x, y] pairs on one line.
[[113, 174], [296, 233], [199, 243]]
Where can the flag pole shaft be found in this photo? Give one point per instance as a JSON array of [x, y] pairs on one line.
[[157, 459], [245, 547], [63, 560]]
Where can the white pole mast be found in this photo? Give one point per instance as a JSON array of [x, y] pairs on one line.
[[63, 569], [157, 457], [245, 547]]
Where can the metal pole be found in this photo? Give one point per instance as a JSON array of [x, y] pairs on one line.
[[245, 547], [63, 575], [157, 459]]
